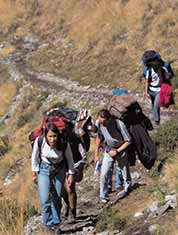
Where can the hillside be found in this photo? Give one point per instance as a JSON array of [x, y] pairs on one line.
[[92, 41], [74, 53]]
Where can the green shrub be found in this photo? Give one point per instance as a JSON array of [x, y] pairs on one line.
[[167, 135], [110, 220]]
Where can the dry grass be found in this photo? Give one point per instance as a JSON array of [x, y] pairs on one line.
[[8, 12], [7, 91], [171, 173]]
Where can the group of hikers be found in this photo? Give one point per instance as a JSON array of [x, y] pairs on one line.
[[58, 161]]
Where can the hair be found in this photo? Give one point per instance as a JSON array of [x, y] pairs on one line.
[[51, 127], [61, 142], [104, 113]]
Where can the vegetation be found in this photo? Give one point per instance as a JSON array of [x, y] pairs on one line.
[[111, 220], [96, 43]]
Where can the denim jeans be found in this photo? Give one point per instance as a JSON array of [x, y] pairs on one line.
[[50, 194], [155, 105], [123, 163], [118, 176]]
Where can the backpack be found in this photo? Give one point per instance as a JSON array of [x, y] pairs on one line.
[[150, 55], [126, 108], [152, 59], [166, 65], [60, 122], [66, 120]]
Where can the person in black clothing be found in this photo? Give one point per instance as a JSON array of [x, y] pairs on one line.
[[69, 193]]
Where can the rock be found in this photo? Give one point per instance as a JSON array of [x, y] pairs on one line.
[[171, 200], [153, 228], [163, 209], [153, 209], [135, 175], [138, 214]]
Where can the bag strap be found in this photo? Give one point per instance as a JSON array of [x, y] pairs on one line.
[[40, 142]]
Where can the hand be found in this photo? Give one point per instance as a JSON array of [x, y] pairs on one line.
[[146, 95], [70, 180], [113, 153], [96, 159], [34, 177]]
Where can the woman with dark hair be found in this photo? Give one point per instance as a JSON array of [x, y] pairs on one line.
[[49, 157]]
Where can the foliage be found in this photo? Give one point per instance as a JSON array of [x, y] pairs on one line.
[[110, 220], [11, 211], [167, 135]]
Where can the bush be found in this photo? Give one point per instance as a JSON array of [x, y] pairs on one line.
[[110, 220], [167, 135]]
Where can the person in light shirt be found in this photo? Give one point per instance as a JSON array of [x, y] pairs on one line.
[[51, 159]]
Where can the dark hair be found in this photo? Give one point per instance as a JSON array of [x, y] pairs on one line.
[[61, 141], [51, 127], [104, 113]]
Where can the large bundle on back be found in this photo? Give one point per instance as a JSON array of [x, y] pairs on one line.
[[125, 107]]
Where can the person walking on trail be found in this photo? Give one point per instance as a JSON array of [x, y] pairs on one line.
[[70, 194], [117, 139], [118, 172], [152, 89], [51, 158], [155, 73]]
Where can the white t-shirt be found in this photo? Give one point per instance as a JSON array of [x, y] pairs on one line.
[[55, 156], [154, 84]]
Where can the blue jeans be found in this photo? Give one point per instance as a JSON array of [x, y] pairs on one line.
[[50, 194], [118, 176], [107, 163], [155, 107]]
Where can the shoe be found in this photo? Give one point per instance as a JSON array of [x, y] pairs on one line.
[[66, 211], [72, 216], [157, 123], [122, 194], [104, 200], [118, 190], [109, 190]]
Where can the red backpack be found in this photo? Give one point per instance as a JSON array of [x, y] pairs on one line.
[[60, 122]]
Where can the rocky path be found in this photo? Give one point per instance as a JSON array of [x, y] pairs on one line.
[[79, 96]]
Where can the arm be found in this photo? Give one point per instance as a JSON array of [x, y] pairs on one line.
[[70, 163], [82, 151], [126, 139], [35, 160], [146, 88], [97, 144]]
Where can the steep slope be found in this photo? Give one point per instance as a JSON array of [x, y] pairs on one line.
[[96, 42], [93, 41]]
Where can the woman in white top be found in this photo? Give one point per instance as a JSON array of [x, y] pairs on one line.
[[153, 80], [51, 158]]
